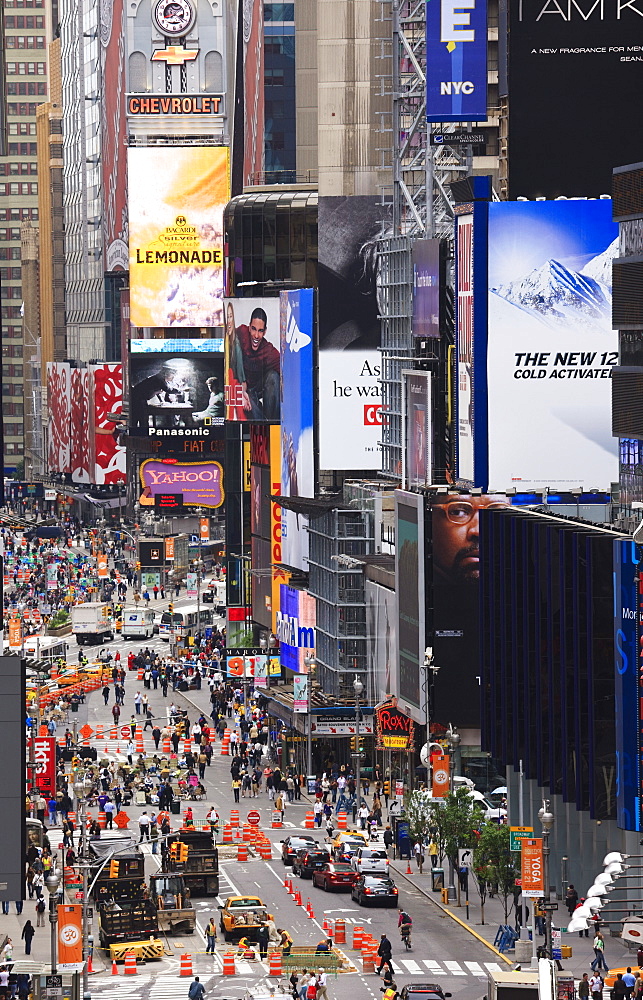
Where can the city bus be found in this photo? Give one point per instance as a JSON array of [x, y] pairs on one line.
[[184, 621], [46, 647]]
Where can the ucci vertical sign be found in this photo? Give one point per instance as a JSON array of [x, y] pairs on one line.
[[456, 60], [531, 867]]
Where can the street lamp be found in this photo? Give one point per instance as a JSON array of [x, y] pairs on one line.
[[358, 688], [52, 882], [546, 821], [454, 740], [81, 787]]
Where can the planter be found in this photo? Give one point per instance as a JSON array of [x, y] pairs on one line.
[[58, 632]]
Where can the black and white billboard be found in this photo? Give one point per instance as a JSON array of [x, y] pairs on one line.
[[575, 75]]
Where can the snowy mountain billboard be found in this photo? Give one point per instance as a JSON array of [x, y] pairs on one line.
[[550, 347]]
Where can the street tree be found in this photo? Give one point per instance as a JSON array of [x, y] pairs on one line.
[[454, 823], [418, 814], [493, 864]]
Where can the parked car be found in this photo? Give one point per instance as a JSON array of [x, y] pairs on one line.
[[307, 861], [291, 845], [374, 889], [334, 876], [370, 860]]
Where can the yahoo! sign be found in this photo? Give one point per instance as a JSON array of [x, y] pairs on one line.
[[201, 483]]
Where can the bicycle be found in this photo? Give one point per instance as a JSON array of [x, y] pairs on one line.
[[405, 934]]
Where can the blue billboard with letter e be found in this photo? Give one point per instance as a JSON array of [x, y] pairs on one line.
[[456, 60]]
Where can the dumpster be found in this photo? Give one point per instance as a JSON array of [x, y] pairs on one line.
[[437, 879]]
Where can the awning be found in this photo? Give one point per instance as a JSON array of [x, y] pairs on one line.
[[311, 507]]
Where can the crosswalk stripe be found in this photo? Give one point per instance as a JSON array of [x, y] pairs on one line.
[[455, 968], [412, 966], [474, 969], [493, 967]]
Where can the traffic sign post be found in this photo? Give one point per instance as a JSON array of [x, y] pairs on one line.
[[465, 857], [254, 817], [518, 833]]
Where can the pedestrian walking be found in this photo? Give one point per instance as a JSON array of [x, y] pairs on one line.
[[599, 954], [106, 694], [583, 988], [28, 932], [322, 981], [385, 952], [144, 823], [571, 899], [211, 936], [40, 912]]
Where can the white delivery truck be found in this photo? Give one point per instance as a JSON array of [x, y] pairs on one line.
[[92, 623], [138, 623]]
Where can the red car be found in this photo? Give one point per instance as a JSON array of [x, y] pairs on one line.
[[334, 875]]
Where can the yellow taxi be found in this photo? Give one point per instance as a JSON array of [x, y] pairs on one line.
[[242, 916], [346, 843]]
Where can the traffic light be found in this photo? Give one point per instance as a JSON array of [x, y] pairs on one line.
[[138, 564], [114, 868], [353, 744], [170, 607], [174, 851], [183, 853], [387, 787]]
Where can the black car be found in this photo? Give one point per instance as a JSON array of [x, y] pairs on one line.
[[298, 842], [307, 861], [423, 991], [374, 889]]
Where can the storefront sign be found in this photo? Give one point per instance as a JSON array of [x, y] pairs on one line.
[[324, 725]]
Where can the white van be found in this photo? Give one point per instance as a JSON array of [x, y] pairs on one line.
[[138, 623], [370, 861]]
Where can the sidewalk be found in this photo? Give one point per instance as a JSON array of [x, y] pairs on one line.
[[616, 954]]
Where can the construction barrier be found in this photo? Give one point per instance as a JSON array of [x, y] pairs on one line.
[[130, 964], [340, 932], [242, 852], [234, 817], [186, 965], [227, 834], [228, 964], [100, 732], [358, 934], [276, 820], [342, 821], [248, 834], [368, 961], [275, 963], [310, 821], [102, 820]]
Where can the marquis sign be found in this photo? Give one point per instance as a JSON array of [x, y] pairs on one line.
[[395, 731], [201, 483], [140, 105]]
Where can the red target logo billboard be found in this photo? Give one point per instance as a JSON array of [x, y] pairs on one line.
[[373, 415]]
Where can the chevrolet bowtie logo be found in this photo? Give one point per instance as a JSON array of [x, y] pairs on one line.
[[175, 55]]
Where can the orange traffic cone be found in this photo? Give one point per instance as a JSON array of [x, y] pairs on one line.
[[409, 870], [90, 967], [114, 967]]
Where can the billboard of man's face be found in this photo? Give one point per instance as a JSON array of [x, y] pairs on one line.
[[456, 572], [456, 556]]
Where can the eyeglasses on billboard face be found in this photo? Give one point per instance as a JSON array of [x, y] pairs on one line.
[[462, 512]]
